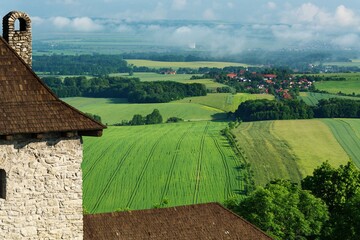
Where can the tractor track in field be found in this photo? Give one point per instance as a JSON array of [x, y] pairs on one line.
[[198, 165], [227, 188], [143, 170], [108, 184], [95, 163], [352, 138], [173, 162], [338, 136]]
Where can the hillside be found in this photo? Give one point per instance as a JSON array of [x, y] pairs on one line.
[[288, 149], [179, 163], [210, 107]]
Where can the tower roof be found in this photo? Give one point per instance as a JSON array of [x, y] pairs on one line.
[[28, 106]]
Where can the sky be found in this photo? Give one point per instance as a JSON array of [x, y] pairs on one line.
[[290, 22]]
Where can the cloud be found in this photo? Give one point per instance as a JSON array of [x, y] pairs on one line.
[[209, 14], [85, 24], [61, 22], [345, 16], [80, 24], [349, 40], [271, 5], [179, 4]]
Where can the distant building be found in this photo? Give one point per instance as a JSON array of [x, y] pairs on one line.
[[231, 75]]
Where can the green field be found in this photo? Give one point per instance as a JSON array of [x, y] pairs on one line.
[[211, 107], [115, 110], [225, 101], [347, 132], [139, 167], [312, 98], [350, 86], [288, 149], [176, 65]]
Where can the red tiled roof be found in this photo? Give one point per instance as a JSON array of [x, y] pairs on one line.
[[202, 221], [27, 105]]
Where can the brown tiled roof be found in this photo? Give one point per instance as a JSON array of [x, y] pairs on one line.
[[202, 221], [27, 105]]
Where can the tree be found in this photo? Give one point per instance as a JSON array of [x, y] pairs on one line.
[[154, 117], [284, 210], [137, 120], [340, 190]]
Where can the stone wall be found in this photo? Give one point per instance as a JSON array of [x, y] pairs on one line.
[[43, 189], [19, 39]]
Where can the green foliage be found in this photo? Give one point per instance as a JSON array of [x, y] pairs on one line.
[[337, 108], [94, 116], [137, 120], [174, 120], [334, 186], [284, 211], [154, 117], [80, 64], [255, 110], [340, 190], [124, 87]]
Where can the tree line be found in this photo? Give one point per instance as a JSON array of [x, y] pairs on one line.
[[80, 64], [263, 109], [121, 87]]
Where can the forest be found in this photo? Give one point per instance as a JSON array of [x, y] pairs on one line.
[[122, 87], [262, 109]]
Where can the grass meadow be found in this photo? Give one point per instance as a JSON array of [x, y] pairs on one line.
[[312, 98], [214, 106], [288, 149], [350, 86], [225, 101], [115, 110], [139, 167]]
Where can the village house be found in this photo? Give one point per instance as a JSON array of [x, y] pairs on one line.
[[40, 166]]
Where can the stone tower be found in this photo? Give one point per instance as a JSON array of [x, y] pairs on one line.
[[19, 39], [40, 148]]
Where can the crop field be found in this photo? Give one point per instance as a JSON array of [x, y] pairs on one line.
[[288, 149], [312, 98], [115, 110], [176, 65], [347, 133], [225, 101], [350, 86], [141, 166]]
